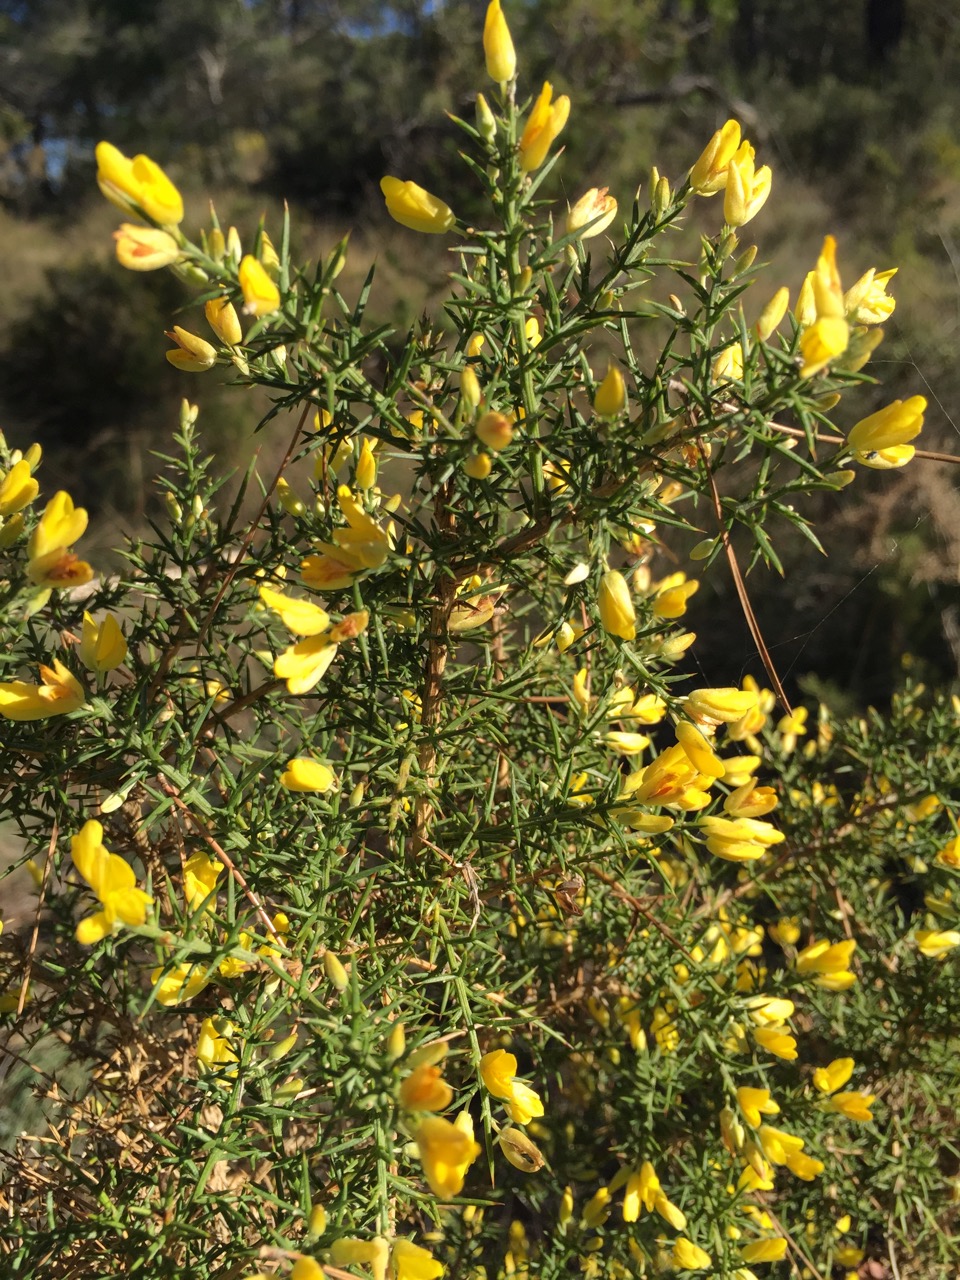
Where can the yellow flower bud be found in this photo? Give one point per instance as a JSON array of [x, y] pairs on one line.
[[709, 174], [486, 121], [772, 314], [222, 318], [611, 398], [17, 488], [498, 47], [308, 775], [469, 388], [478, 466], [138, 185], [261, 296], [415, 208], [495, 430], [335, 971], [102, 648], [617, 614]]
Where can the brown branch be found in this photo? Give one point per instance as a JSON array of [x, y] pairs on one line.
[[741, 586]]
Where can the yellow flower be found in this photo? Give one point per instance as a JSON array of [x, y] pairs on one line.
[[821, 312], [719, 706], [180, 983], [544, 124], [596, 1211], [60, 526], [853, 1105], [772, 314], [303, 1269], [17, 488], [617, 614], [446, 1152], [739, 839], [670, 779], [145, 248], [301, 616], [200, 875], [766, 1009], [348, 1251], [362, 545], [728, 364], [308, 775], [834, 1076], [895, 424], [222, 318], [672, 594], [755, 1103], [102, 648], [411, 1262], [495, 430], [688, 1256], [497, 1070], [747, 187], [611, 398], [804, 1166], [213, 1044], [777, 1144], [593, 212], [778, 1041], [498, 45], [643, 1187], [933, 943], [771, 1250], [424, 1089], [261, 296], [192, 354], [415, 208], [828, 963], [138, 185], [111, 879], [60, 693], [698, 750], [867, 301], [709, 174]]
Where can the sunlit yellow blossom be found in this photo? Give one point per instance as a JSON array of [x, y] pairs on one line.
[[933, 943], [755, 1103], [192, 354], [747, 187], [672, 594], [60, 693], [137, 184], [17, 488], [304, 774], [777, 1144], [827, 334], [893, 425], [670, 779], [113, 881], [415, 208], [778, 1041], [200, 875], [547, 118], [688, 1256], [60, 526], [446, 1152], [698, 750], [833, 1076], [852, 1105], [771, 1250], [145, 248], [728, 364], [642, 1189], [303, 664], [828, 963], [670, 1213], [303, 1269], [597, 1209], [213, 1044], [750, 801], [497, 1070], [498, 47], [628, 744], [719, 706], [611, 398], [425, 1089], [348, 1251], [594, 212], [867, 301], [766, 1009], [102, 646], [803, 1166], [709, 174], [617, 614], [411, 1262], [739, 839], [261, 297], [356, 548], [302, 617], [173, 986]]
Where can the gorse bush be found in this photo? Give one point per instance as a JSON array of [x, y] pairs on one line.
[[404, 903]]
